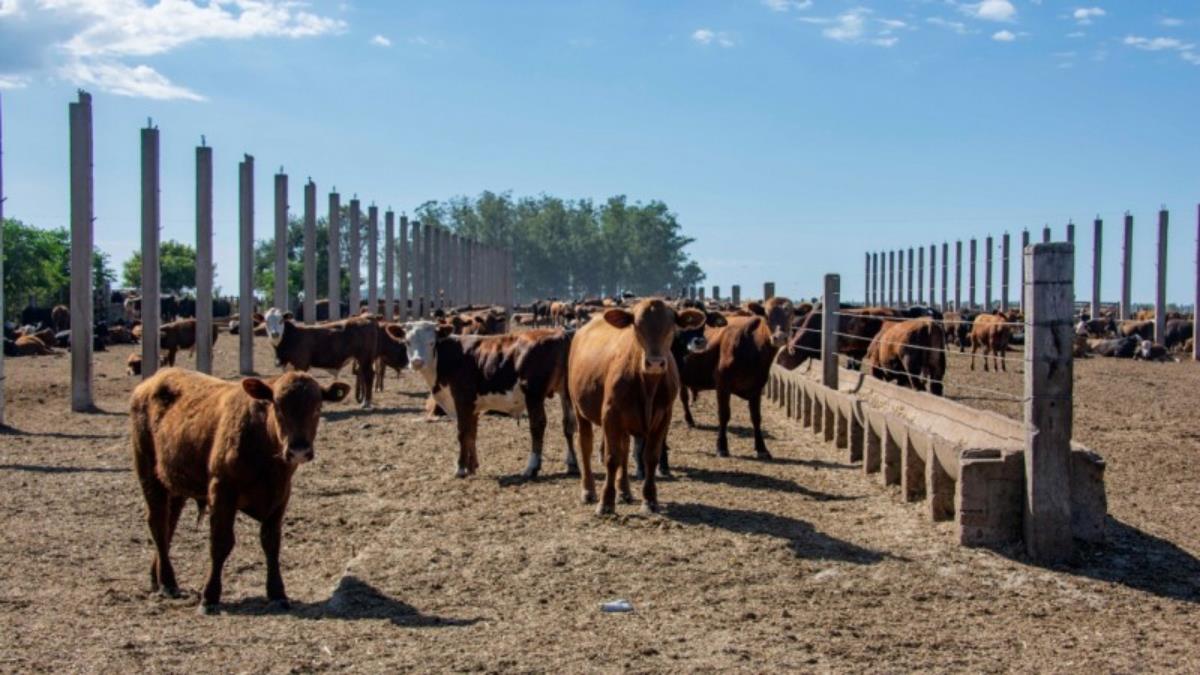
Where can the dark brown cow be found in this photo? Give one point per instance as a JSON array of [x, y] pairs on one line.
[[178, 335], [992, 333], [393, 353], [479, 322], [623, 379], [510, 374], [120, 335], [329, 346], [60, 317], [862, 324], [230, 446], [910, 352]]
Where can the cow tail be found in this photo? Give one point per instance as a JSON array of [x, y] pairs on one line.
[[201, 509]]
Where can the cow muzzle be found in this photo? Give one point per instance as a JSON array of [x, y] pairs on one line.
[[655, 364], [416, 363], [297, 453], [779, 339]]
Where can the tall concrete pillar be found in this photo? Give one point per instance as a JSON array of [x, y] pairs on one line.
[[1097, 245], [987, 274], [945, 276], [389, 265], [971, 279], [1127, 271], [1024, 246], [428, 261], [1004, 272], [151, 221], [281, 242], [310, 252], [920, 275], [204, 259], [373, 258], [405, 266], [355, 257], [958, 265], [1160, 288], [1, 256], [334, 281], [417, 257], [80, 115], [245, 266]]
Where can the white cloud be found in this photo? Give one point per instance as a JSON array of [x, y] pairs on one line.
[[1084, 15], [13, 81], [785, 5], [1076, 34], [856, 26], [1187, 50], [955, 26], [1170, 22], [885, 41], [707, 37], [89, 42], [847, 27], [1004, 36], [381, 41], [991, 10]]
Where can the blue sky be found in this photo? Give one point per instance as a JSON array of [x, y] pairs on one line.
[[789, 136]]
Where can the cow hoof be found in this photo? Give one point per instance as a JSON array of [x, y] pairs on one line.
[[572, 470], [640, 475], [461, 473], [279, 605], [207, 610], [606, 509], [169, 593], [626, 498], [763, 454], [664, 472], [722, 452], [529, 474], [651, 507], [588, 498]]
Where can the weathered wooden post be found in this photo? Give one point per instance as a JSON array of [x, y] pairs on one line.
[[334, 294], [310, 252], [355, 256], [945, 276], [429, 282], [150, 270], [281, 242], [1024, 245], [769, 289], [920, 275], [909, 295], [204, 259], [735, 293], [971, 280], [987, 275], [389, 265], [1050, 276], [1004, 272], [2, 424], [373, 258], [1160, 288], [830, 303], [1097, 244], [80, 114], [958, 265], [1127, 270], [245, 267], [404, 268]]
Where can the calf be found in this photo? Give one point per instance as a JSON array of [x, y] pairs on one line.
[[510, 374], [230, 447], [910, 352], [1097, 328], [992, 333], [178, 335], [623, 378], [133, 364], [1148, 351], [329, 346], [1120, 348]]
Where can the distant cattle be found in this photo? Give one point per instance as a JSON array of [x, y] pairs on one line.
[[28, 345], [1121, 348], [992, 334], [623, 379], [855, 327], [1178, 332], [1148, 351], [1143, 329], [912, 353], [958, 327], [60, 318], [230, 446], [393, 353], [561, 313], [178, 335], [133, 364], [1097, 328], [490, 321], [510, 374], [38, 317], [329, 346]]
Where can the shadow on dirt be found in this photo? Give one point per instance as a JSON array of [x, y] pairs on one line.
[[802, 538], [1141, 561], [40, 468], [352, 413], [757, 481], [353, 600]]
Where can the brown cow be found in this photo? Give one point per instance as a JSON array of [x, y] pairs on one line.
[[479, 322], [178, 335], [133, 364], [230, 446], [29, 345], [510, 374], [120, 335], [393, 353], [857, 327], [910, 352], [992, 333], [329, 346], [1142, 329], [60, 317], [623, 379], [561, 313]]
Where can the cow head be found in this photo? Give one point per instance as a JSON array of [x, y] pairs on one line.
[[692, 340], [276, 321], [295, 400], [1146, 350], [421, 338], [654, 324]]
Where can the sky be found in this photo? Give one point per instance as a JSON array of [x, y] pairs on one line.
[[789, 136]]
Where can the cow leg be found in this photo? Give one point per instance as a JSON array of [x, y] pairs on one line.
[[1003, 359], [723, 414], [221, 538], [654, 444], [158, 519], [664, 467], [760, 444], [639, 446], [380, 370], [536, 407], [569, 427], [974, 348], [612, 463], [366, 378], [588, 483], [687, 408], [270, 534], [623, 476], [468, 424]]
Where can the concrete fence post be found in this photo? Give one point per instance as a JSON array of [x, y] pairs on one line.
[[1070, 231], [866, 284], [429, 276], [436, 289], [2, 423], [1160, 288], [900, 277], [404, 295], [80, 114], [971, 279], [1024, 245], [417, 259], [1097, 245], [700, 293], [987, 274], [373, 258], [355, 256], [769, 288], [1046, 234], [735, 293], [334, 282], [830, 304], [1005, 266], [204, 259], [1050, 276], [876, 272], [716, 293], [389, 265], [310, 252], [891, 281], [281, 241], [151, 217], [245, 267], [958, 265], [920, 275], [932, 275], [909, 295], [1127, 269], [945, 276]]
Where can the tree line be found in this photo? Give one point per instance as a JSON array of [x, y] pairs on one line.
[[37, 267]]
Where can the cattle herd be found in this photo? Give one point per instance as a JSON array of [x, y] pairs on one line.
[[616, 365]]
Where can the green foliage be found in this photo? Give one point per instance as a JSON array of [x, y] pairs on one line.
[[264, 257], [37, 265], [176, 265]]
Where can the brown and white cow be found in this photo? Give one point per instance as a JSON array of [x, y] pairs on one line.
[[329, 346], [230, 446], [511, 374], [911, 352], [623, 378]]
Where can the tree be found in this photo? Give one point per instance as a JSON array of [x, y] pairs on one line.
[[176, 265], [37, 266]]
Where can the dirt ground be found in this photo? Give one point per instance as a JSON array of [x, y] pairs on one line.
[[394, 565]]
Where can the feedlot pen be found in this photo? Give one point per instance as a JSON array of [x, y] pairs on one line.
[[393, 564]]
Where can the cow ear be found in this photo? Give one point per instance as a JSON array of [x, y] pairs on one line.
[[444, 330], [715, 320], [395, 332], [335, 392], [756, 308], [690, 318], [619, 318], [288, 316], [258, 389]]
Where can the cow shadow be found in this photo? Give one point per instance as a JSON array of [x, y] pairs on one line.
[[734, 430], [756, 481], [353, 600], [13, 431], [513, 479], [795, 461], [41, 468], [1139, 560], [802, 538], [352, 413]]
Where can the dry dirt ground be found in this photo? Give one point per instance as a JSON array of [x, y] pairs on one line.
[[393, 564]]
